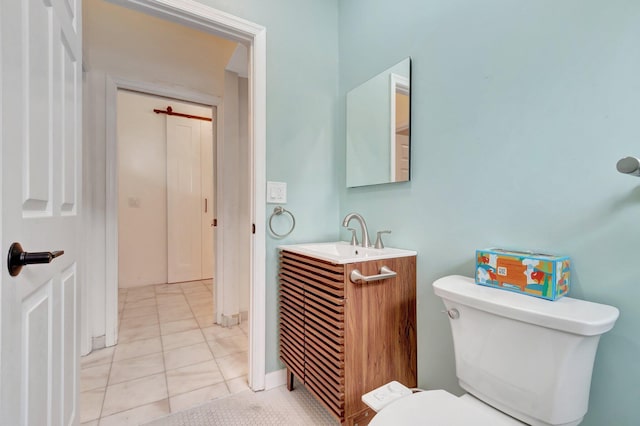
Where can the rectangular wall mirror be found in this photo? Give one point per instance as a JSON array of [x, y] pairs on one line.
[[378, 128]]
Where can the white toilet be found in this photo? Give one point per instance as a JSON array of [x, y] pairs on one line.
[[521, 359]]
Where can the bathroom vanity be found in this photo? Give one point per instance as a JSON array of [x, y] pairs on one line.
[[340, 335]]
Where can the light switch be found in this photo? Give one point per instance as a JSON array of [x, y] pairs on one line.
[[134, 202], [277, 192]]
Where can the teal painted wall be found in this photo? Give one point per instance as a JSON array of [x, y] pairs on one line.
[[302, 84], [520, 111]]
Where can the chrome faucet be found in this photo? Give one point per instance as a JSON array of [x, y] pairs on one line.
[[363, 226]]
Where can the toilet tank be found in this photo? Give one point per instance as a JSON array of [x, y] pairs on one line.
[[528, 357]]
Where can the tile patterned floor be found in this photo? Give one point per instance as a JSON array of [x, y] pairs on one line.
[[276, 406], [170, 357]]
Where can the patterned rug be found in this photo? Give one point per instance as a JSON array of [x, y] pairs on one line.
[[277, 406]]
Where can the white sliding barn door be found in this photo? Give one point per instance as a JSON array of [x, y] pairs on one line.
[[184, 203], [40, 74]]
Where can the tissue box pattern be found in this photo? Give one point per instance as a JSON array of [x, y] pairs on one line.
[[534, 274]]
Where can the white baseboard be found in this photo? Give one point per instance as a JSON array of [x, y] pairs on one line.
[[275, 379], [98, 342], [230, 320]]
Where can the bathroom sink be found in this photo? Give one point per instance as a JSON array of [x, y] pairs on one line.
[[343, 252]]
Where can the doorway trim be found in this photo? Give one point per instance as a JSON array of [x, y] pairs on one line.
[[112, 85], [205, 18]]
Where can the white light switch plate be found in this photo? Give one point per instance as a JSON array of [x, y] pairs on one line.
[[277, 192]]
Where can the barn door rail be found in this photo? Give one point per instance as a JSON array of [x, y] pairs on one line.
[[170, 111]]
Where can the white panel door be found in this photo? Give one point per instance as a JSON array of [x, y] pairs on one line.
[[40, 74], [184, 218], [206, 161]]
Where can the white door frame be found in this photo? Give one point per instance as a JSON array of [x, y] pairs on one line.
[[205, 18], [112, 85]]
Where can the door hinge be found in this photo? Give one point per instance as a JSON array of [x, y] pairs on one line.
[[215, 222], [253, 228]]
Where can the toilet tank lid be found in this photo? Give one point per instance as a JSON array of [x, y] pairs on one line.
[[565, 314]]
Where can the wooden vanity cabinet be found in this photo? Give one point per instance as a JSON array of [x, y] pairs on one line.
[[343, 339]]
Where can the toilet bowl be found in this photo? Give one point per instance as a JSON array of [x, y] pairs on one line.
[[521, 360], [440, 408]]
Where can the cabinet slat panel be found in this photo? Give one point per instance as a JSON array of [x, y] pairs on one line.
[[325, 309], [322, 317], [335, 382], [294, 335], [330, 339], [321, 288], [334, 402], [309, 272], [291, 348], [338, 414], [293, 332], [323, 327], [293, 306], [292, 292], [291, 357], [291, 360], [292, 352], [330, 269], [291, 313], [332, 308], [309, 277], [330, 350], [292, 277], [326, 294], [292, 281], [320, 274], [318, 357]]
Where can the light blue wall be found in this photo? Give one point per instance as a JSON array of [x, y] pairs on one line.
[[302, 84], [520, 110]]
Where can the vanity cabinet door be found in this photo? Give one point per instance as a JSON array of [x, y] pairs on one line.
[[380, 324], [312, 326], [324, 342]]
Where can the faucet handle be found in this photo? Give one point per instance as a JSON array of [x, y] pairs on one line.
[[354, 238], [378, 243]]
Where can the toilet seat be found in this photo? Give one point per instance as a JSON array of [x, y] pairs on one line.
[[440, 408]]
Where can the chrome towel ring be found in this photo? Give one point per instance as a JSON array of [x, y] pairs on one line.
[[277, 211]]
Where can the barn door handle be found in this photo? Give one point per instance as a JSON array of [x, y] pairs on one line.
[[17, 258]]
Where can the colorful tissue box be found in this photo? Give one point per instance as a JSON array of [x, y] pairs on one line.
[[534, 274]]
